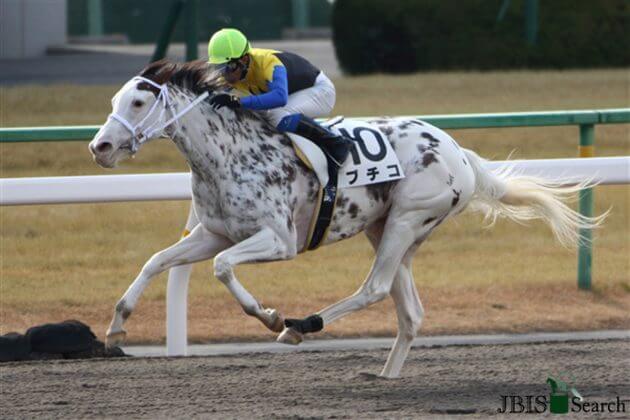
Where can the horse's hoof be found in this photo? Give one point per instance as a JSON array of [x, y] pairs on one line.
[[273, 320], [115, 339], [290, 336], [278, 321]]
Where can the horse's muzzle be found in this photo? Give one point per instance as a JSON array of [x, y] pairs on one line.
[[98, 148]]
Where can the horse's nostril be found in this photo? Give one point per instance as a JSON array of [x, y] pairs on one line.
[[103, 147]]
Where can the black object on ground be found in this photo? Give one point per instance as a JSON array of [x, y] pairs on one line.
[[64, 340]]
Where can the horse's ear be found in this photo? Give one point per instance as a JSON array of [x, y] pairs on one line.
[[150, 70], [165, 74], [159, 71]]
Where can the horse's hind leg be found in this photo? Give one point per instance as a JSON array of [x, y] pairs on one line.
[[409, 311], [408, 306], [402, 229], [397, 237]]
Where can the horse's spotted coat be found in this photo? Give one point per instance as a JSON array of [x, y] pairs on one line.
[[246, 174]]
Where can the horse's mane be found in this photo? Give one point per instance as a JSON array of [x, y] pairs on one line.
[[195, 76]]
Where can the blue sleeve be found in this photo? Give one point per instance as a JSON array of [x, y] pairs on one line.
[[277, 96]]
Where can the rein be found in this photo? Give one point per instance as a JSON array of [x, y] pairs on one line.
[[142, 135]]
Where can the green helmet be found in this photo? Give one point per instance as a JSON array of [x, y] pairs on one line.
[[227, 44]]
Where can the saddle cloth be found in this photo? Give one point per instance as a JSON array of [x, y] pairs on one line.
[[372, 160]]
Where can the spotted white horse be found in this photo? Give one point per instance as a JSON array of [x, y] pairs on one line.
[[254, 198]]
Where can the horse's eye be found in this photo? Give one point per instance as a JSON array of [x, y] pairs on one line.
[[138, 103]]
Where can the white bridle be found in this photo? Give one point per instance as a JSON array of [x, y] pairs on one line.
[[141, 134]]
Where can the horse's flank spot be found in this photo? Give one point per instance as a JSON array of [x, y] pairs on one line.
[[432, 140], [387, 130], [428, 158], [456, 198], [342, 200], [380, 191], [353, 210]]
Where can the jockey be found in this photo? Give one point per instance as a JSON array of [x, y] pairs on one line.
[[289, 88]]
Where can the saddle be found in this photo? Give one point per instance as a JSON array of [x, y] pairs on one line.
[[373, 161], [325, 169]]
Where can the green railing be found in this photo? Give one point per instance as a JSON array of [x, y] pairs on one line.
[[586, 120], [463, 121]]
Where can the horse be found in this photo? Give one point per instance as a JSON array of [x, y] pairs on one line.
[[254, 198]]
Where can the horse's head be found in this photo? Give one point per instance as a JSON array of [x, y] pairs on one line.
[[138, 112], [143, 108]]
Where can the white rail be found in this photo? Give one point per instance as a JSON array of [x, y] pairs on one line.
[[176, 186]]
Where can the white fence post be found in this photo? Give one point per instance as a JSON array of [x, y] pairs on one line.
[[177, 302]]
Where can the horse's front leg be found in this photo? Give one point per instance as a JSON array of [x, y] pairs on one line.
[[199, 245], [265, 245]]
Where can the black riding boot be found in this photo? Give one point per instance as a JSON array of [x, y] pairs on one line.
[[336, 147]]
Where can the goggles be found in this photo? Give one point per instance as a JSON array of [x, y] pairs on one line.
[[231, 66]]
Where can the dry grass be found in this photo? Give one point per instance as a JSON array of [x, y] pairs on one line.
[[75, 261]]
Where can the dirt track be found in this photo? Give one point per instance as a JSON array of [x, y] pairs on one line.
[[466, 379]]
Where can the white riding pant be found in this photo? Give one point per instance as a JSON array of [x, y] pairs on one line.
[[314, 102]]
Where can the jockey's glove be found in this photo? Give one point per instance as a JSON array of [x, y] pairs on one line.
[[225, 99]]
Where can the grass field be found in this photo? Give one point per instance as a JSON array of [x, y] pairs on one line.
[[60, 262]]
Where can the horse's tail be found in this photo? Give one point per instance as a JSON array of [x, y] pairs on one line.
[[522, 198]]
